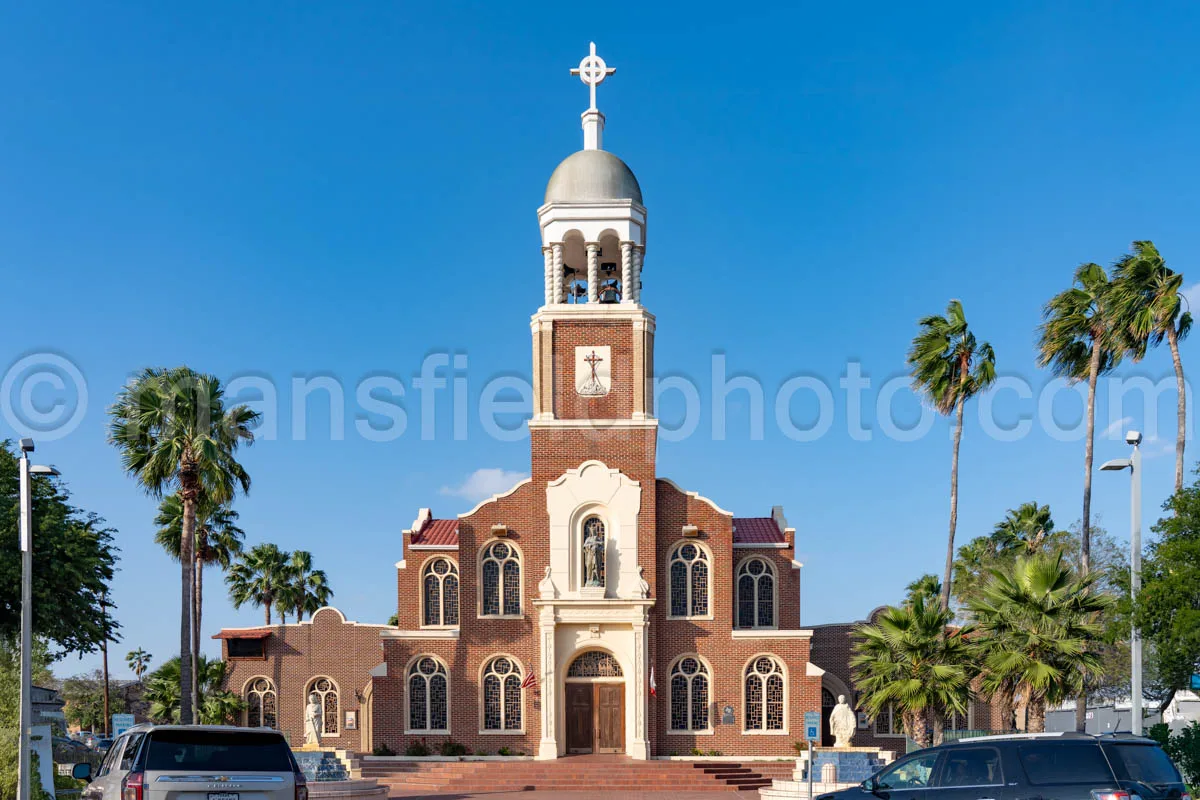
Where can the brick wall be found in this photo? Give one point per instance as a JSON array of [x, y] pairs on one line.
[[569, 334]]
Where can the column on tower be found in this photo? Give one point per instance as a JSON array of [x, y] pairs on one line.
[[639, 252], [626, 272], [593, 268], [548, 269], [556, 268]]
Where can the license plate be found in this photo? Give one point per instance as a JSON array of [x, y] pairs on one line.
[[223, 796]]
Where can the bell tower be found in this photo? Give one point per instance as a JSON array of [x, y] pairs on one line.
[[593, 341]]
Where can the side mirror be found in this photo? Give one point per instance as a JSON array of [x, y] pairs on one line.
[[82, 771]]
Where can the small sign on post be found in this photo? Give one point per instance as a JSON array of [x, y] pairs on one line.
[[812, 726], [121, 723], [1195, 683]]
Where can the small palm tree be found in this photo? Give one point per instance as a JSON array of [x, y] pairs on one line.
[[138, 661], [1038, 625], [307, 589], [218, 542], [175, 435], [217, 706], [949, 367], [928, 587], [258, 577], [1150, 296], [1024, 529], [911, 660]]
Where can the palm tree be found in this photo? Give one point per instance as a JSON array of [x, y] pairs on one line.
[[258, 577], [927, 587], [218, 541], [217, 706], [1037, 624], [909, 659], [1149, 294], [949, 367], [175, 435], [138, 661], [1023, 529], [307, 589], [1026, 529]]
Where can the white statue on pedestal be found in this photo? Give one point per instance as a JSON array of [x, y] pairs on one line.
[[842, 723], [312, 721]]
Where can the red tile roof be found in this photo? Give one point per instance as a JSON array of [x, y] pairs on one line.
[[244, 633], [437, 533], [756, 530]]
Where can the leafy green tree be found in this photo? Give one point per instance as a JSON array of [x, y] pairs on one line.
[[911, 660], [84, 696], [73, 563], [218, 542], [305, 590], [258, 577], [217, 705], [1150, 295], [175, 435], [10, 710], [949, 367], [138, 661], [1035, 625]]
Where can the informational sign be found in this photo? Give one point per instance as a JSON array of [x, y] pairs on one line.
[[1196, 683], [121, 723], [351, 720], [727, 716], [812, 726], [863, 722]]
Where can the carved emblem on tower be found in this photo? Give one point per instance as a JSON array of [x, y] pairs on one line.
[[593, 373]]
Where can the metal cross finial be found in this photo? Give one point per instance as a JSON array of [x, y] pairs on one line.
[[592, 71]]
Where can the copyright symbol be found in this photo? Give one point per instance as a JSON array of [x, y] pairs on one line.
[[43, 395]]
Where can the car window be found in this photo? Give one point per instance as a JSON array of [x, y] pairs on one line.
[[222, 751], [971, 766], [1060, 762], [106, 764], [1145, 763], [131, 748], [911, 773]]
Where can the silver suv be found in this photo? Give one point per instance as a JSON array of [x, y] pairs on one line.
[[195, 762]]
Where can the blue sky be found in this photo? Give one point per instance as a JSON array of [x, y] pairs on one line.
[[300, 190]]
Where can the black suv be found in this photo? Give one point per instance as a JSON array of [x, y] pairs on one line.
[[1039, 766]]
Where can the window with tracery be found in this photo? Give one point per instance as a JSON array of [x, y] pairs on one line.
[[594, 664], [440, 592], [689, 695], [428, 696], [500, 580], [764, 709], [689, 581], [502, 695], [756, 594], [261, 704], [327, 694]]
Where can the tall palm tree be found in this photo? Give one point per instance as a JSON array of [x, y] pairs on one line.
[[258, 576], [218, 540], [176, 435], [138, 661], [307, 589], [1038, 625], [909, 659], [949, 367], [1150, 295]]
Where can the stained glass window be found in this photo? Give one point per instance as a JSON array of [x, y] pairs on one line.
[[327, 695], [594, 664], [756, 594], [764, 695], [689, 581], [689, 695], [428, 697], [440, 592], [502, 695], [501, 580], [261, 704]]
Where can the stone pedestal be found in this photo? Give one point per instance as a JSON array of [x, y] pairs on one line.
[[838, 768], [320, 765], [329, 779]]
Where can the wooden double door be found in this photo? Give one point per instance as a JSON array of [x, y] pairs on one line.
[[595, 718]]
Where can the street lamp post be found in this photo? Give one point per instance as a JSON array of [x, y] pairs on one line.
[[24, 774], [1134, 465]]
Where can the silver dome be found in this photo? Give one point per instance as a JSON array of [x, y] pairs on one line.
[[590, 176]]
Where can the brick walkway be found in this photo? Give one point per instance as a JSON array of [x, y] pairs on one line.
[[625, 795]]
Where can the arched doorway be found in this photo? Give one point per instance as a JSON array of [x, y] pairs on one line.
[[827, 704], [595, 704]]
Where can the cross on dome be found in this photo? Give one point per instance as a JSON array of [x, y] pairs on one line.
[[592, 70]]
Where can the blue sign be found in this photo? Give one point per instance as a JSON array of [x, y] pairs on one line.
[[1196, 683], [812, 726], [121, 723]]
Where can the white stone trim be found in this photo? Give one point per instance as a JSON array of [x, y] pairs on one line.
[[642, 319], [760, 545], [593, 424], [811, 670], [770, 633], [494, 498], [402, 564], [695, 496], [309, 621], [423, 633], [433, 547]]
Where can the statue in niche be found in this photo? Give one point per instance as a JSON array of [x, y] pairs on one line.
[[593, 552]]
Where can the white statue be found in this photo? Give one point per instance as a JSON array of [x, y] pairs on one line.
[[593, 558], [842, 723], [312, 721]]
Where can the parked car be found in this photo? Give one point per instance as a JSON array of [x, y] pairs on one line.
[[101, 746], [217, 762], [1062, 766]]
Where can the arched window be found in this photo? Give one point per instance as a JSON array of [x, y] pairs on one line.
[[756, 594], [261, 704], [500, 580], [689, 581], [689, 695], [594, 664], [594, 544], [327, 695], [502, 695], [764, 695], [440, 595], [428, 696]]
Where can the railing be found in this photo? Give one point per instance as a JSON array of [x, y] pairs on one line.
[[952, 736]]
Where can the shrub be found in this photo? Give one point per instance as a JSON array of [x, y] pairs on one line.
[[417, 748], [453, 748], [1184, 750], [481, 752], [697, 751], [504, 751], [382, 750], [714, 752]]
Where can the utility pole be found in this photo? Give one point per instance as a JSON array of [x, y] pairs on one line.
[[104, 661]]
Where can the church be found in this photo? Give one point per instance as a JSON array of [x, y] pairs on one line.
[[595, 607]]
